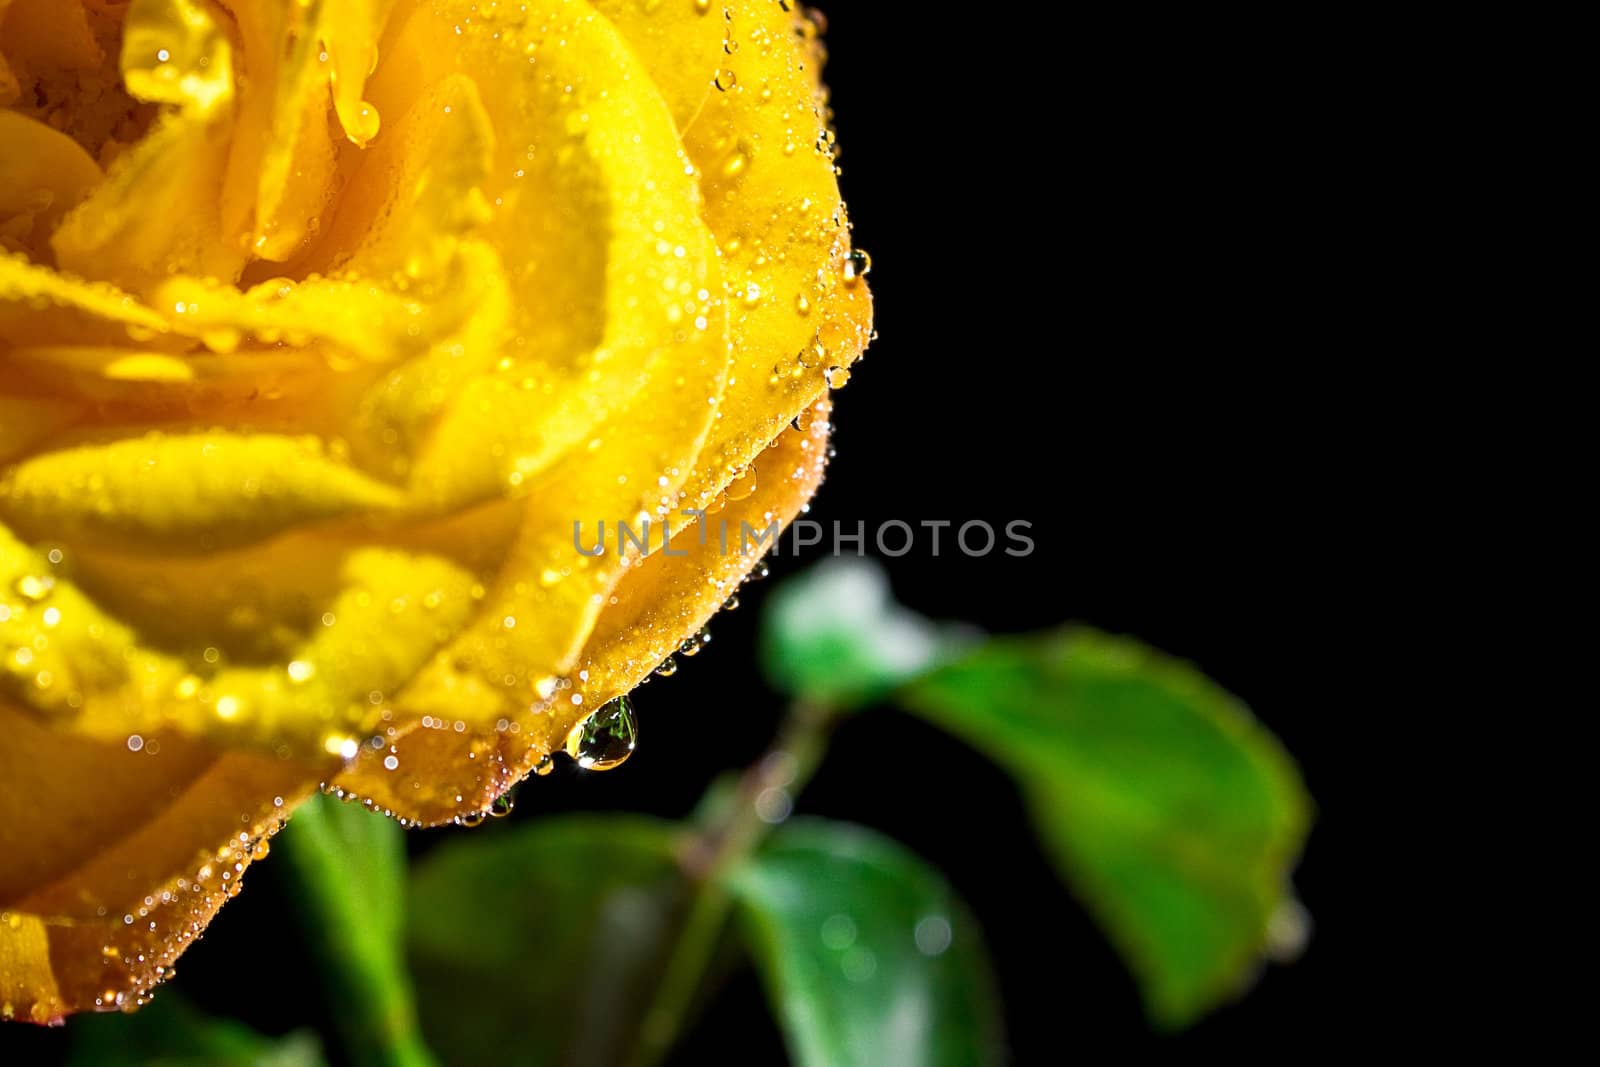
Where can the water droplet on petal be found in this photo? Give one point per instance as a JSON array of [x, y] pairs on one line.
[[364, 124], [691, 646], [743, 486], [668, 667], [737, 160], [813, 355], [857, 265], [33, 587], [607, 738]]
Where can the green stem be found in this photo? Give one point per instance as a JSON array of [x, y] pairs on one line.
[[358, 954], [787, 766]]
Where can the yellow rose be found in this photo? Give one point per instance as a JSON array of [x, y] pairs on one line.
[[321, 324]]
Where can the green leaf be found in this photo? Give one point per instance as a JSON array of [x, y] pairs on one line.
[[1174, 815], [170, 1032], [868, 956], [348, 868], [541, 943], [835, 636]]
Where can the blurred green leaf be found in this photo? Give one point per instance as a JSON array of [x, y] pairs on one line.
[[1174, 815], [542, 943], [348, 868], [170, 1032], [868, 956], [366, 850], [834, 635]]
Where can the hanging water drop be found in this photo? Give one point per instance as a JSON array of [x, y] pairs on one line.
[[502, 806], [732, 603], [857, 265], [692, 645], [668, 667], [544, 766], [605, 739]]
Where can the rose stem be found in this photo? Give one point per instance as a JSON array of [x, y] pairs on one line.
[[789, 764]]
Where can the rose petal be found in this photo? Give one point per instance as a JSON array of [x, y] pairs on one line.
[[418, 189], [668, 598], [114, 234], [367, 620], [594, 216], [25, 420], [598, 406], [282, 160], [116, 858], [772, 199], [188, 493], [49, 33], [679, 43], [43, 175], [41, 306]]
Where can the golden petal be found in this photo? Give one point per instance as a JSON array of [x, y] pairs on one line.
[[174, 53], [679, 42], [117, 855]]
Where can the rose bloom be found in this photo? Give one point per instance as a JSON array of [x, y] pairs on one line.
[[320, 327]]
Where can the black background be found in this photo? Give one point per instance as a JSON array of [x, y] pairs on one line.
[[1096, 258]]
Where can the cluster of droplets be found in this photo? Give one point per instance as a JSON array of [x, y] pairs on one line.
[[602, 741], [816, 354], [157, 928], [30, 618], [499, 808], [350, 796]]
